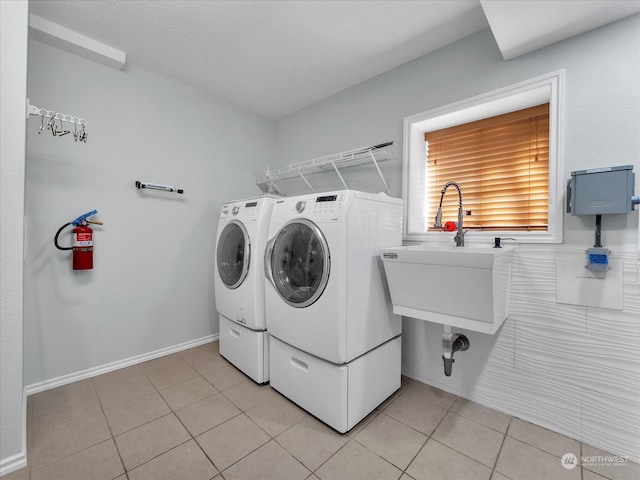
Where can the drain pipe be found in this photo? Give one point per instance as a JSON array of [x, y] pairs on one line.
[[451, 343]]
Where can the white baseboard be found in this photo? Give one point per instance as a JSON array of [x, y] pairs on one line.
[[19, 460], [109, 367], [13, 463]]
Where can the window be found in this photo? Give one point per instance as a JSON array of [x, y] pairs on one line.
[[449, 138], [502, 167]]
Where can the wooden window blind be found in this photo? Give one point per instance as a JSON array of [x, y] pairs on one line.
[[502, 166]]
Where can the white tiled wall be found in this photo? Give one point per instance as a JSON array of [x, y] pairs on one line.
[[570, 368]]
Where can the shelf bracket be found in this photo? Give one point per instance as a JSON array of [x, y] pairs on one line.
[[373, 158], [338, 172], [305, 181]]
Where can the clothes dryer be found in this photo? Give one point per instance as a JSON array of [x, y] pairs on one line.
[[239, 284], [327, 303]]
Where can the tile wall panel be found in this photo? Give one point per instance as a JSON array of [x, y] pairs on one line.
[[607, 418]]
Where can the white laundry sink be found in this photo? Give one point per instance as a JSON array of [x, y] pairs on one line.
[[465, 287]]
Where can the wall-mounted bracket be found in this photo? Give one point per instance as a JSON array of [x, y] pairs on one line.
[[157, 186]]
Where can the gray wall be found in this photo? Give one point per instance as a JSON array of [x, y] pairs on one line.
[[13, 85], [152, 285], [572, 368]]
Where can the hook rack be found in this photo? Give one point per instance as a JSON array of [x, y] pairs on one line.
[[157, 186], [58, 130]]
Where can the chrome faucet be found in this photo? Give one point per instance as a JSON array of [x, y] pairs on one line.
[[459, 238]]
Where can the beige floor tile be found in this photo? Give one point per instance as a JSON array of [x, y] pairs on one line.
[[431, 394], [355, 462], [476, 441], [311, 442], [67, 439], [127, 416], [438, 461], [544, 439], [613, 468], [188, 392], [207, 413], [392, 440], [269, 462], [204, 358], [226, 377], [60, 405], [520, 461], [122, 386], [276, 415], [416, 412], [141, 444], [484, 415], [99, 462], [167, 371], [185, 462], [362, 424], [231, 441], [588, 475], [499, 476], [249, 394]]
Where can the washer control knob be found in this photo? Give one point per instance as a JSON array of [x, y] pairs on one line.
[[235, 210], [300, 206]]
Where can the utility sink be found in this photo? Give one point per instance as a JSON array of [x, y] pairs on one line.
[[465, 287]]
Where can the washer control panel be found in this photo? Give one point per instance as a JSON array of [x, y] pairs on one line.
[[328, 207], [327, 203]]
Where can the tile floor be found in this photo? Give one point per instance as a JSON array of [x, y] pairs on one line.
[[193, 416]]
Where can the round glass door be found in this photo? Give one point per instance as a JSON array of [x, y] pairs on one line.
[[300, 263], [233, 254]]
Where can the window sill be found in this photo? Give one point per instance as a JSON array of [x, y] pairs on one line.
[[481, 238]]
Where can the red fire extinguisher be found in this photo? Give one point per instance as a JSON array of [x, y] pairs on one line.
[[82, 241]]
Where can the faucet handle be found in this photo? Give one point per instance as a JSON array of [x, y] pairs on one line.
[[438, 220]]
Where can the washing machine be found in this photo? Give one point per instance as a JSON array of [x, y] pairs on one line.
[[335, 342], [239, 284]]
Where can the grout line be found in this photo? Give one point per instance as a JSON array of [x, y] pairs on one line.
[[504, 439], [113, 438]]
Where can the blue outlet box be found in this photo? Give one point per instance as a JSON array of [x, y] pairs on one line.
[[598, 259]]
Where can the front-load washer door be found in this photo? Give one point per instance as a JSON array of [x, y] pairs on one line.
[[299, 263], [234, 254]]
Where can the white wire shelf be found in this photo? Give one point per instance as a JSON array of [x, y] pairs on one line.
[[351, 158]]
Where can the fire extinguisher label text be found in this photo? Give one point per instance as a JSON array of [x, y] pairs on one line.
[[83, 240]]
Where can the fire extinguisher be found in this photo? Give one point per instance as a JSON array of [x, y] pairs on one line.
[[82, 241]]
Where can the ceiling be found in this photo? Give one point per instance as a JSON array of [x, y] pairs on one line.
[[273, 57]]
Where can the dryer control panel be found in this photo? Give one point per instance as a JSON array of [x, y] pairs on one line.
[[250, 211]]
